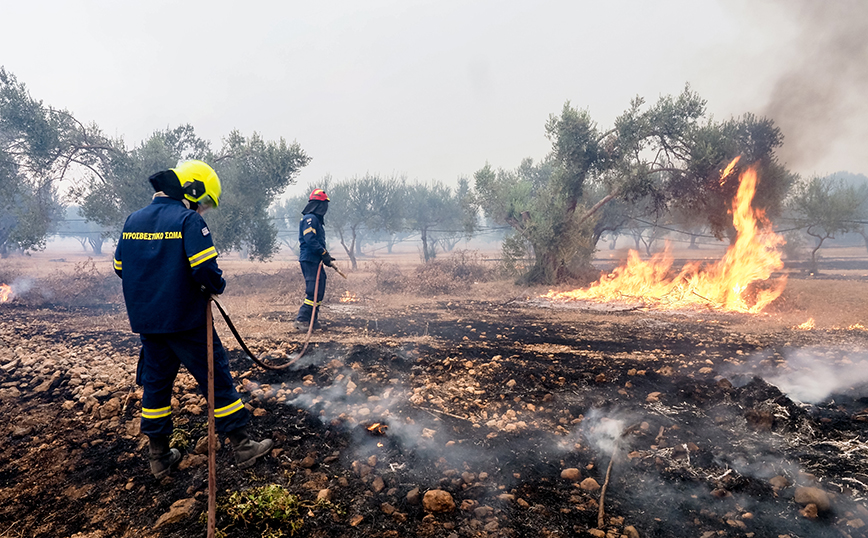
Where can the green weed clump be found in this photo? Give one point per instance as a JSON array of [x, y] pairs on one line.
[[271, 506]]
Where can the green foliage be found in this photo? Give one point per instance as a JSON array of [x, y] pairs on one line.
[[270, 506], [653, 160], [122, 185], [253, 173], [364, 205], [432, 207], [37, 146], [826, 207]]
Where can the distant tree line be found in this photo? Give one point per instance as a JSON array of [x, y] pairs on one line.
[[40, 147], [657, 169]]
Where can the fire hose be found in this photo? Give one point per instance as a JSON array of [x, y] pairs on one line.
[[250, 354]]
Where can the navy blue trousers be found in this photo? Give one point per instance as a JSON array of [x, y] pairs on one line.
[[163, 354], [308, 269]]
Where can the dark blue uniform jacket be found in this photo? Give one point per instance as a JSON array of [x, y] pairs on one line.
[[165, 257], [311, 239]]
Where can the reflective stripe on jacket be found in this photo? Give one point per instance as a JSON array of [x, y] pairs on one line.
[[165, 257], [311, 239]]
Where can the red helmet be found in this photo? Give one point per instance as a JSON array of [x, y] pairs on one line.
[[318, 194]]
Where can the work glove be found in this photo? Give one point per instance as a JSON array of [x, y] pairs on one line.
[[327, 259]]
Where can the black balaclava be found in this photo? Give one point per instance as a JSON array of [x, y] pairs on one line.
[[167, 182], [318, 208]]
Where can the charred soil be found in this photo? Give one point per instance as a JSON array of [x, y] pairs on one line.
[[453, 416]]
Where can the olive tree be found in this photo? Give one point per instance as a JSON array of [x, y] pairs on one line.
[[664, 155]]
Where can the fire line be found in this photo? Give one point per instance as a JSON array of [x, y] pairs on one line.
[[738, 282]]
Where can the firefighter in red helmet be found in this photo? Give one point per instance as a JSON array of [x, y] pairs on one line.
[[312, 251]]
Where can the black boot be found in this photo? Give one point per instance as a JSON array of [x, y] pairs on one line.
[[163, 459], [247, 451]]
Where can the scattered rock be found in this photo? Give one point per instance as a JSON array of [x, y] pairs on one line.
[[631, 531], [21, 431], [811, 495], [202, 445], [653, 397], [589, 484], [377, 485], [809, 511], [779, 482], [180, 510], [356, 519], [437, 500], [324, 495], [572, 474]]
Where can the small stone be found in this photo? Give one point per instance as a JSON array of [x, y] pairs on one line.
[[180, 510], [387, 509], [811, 495], [21, 431], [414, 496], [597, 533], [468, 504], [491, 526], [259, 412], [511, 383], [572, 474], [589, 484], [356, 519], [810, 511], [779, 482], [202, 445], [324, 495], [856, 523], [437, 500], [523, 503], [720, 493], [372, 461], [308, 462], [653, 397], [631, 531], [378, 485]]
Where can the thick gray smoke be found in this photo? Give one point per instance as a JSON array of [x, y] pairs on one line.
[[819, 99], [810, 375]]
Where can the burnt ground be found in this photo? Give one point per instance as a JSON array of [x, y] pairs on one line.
[[514, 408]]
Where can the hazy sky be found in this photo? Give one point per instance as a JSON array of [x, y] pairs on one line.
[[435, 89]]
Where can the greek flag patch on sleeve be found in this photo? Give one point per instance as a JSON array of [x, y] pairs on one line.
[[205, 231]]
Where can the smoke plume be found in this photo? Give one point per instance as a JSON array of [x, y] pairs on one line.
[[819, 98]]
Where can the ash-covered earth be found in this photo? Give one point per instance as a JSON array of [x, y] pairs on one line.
[[498, 416]]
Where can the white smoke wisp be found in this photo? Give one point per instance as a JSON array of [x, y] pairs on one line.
[[603, 431], [812, 376], [22, 285]]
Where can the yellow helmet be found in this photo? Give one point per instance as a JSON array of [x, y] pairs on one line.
[[200, 182]]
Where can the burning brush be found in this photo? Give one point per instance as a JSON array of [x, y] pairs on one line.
[[377, 428], [349, 297], [5, 293]]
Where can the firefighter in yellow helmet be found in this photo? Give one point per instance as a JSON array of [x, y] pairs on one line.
[[168, 263]]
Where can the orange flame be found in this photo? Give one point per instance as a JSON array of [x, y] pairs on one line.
[[349, 297], [378, 429], [722, 286], [806, 326], [857, 327], [5, 293]]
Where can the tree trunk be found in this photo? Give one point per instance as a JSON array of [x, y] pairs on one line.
[[96, 244], [693, 245], [350, 250]]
